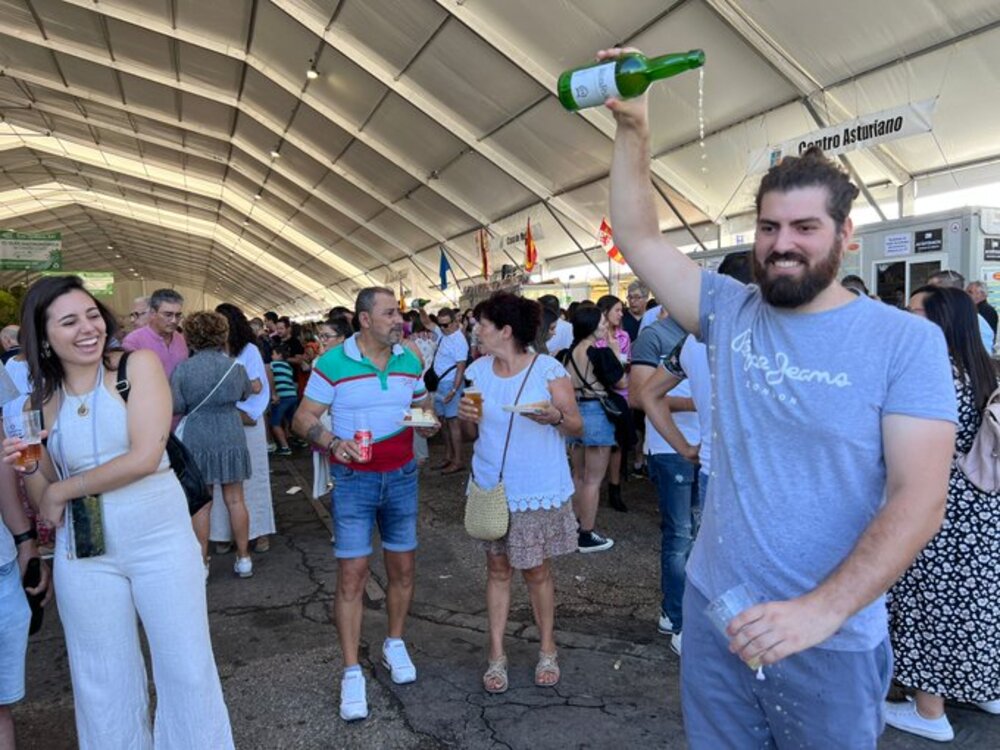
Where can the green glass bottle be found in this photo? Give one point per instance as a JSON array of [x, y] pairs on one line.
[[623, 78]]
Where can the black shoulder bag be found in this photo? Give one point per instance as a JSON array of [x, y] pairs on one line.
[[431, 379], [181, 461]]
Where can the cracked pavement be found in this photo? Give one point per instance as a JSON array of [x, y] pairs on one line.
[[280, 663]]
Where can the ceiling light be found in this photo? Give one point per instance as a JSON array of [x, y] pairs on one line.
[[246, 221], [257, 196], [111, 247], [312, 74], [275, 154]]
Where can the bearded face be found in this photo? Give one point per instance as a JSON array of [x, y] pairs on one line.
[[782, 286]]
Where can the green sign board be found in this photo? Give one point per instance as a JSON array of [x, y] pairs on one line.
[[30, 252], [98, 283]]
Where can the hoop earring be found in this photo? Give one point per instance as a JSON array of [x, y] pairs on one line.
[[46, 349]]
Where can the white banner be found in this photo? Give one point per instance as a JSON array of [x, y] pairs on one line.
[[861, 132]]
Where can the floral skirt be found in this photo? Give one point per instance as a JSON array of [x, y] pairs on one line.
[[536, 535]]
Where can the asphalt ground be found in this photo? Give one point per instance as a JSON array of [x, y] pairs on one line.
[[280, 663]]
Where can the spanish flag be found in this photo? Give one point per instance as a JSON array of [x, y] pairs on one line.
[[530, 251], [608, 243]]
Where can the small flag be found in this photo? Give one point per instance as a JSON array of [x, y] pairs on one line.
[[530, 251], [443, 269], [402, 300], [483, 244], [608, 243]]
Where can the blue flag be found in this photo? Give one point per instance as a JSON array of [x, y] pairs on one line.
[[443, 269]]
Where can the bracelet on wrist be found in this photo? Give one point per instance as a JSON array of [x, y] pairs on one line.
[[29, 473], [25, 536]]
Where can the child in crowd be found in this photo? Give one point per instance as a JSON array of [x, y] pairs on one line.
[[284, 398]]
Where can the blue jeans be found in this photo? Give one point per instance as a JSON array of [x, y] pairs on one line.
[[817, 698], [680, 514], [360, 499]]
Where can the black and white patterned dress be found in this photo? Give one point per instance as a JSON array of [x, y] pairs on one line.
[[944, 613]]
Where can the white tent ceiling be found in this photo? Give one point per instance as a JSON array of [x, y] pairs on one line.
[[185, 137]]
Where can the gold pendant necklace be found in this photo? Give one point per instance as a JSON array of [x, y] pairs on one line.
[[83, 409]]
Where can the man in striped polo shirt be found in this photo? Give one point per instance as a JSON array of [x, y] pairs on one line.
[[373, 377]]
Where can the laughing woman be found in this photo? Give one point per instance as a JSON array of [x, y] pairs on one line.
[[535, 471], [103, 448]]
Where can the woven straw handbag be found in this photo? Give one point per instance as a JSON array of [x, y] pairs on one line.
[[487, 516]]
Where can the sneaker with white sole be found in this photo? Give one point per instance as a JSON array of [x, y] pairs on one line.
[[675, 643], [353, 696], [397, 660], [591, 541], [990, 707], [665, 625], [906, 718], [243, 567]]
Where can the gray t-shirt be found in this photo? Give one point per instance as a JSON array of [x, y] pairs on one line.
[[656, 342], [798, 471]]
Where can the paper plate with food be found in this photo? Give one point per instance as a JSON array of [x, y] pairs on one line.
[[417, 417], [537, 407]]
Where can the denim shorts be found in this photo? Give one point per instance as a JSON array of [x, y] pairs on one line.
[[362, 499], [283, 410], [449, 410], [597, 428], [15, 616]]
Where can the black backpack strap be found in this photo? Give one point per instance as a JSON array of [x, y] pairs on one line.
[[122, 385]]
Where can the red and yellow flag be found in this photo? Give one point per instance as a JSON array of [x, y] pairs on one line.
[[607, 241], [483, 243], [530, 251]]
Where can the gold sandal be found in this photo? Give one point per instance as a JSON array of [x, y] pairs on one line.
[[496, 673], [547, 665]]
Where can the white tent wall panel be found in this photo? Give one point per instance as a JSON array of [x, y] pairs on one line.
[[471, 79], [425, 143], [224, 21], [394, 29], [559, 150], [483, 186], [852, 36]]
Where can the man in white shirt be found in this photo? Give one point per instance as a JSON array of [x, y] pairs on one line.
[[449, 365], [563, 337]]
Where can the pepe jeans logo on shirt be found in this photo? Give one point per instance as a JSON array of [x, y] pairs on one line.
[[781, 369]]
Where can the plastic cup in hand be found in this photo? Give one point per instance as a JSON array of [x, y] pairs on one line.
[[27, 426], [729, 605], [476, 397]]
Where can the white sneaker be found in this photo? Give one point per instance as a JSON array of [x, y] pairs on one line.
[[906, 718], [675, 643], [208, 570], [243, 567], [353, 697], [665, 625], [397, 660], [990, 707]]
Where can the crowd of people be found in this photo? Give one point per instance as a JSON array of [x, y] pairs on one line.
[[802, 439]]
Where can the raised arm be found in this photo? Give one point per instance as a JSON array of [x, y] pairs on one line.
[[918, 455], [674, 278]]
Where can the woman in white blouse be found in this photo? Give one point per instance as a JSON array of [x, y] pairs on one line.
[[536, 473]]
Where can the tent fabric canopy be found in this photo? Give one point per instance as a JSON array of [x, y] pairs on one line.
[[183, 140]]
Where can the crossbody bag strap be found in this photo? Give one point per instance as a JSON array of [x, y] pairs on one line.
[[211, 392], [587, 384], [510, 425]]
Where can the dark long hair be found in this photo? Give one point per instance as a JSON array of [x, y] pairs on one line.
[[240, 332], [955, 313], [46, 369], [586, 319]]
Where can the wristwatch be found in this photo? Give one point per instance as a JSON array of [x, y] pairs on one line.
[[24, 536]]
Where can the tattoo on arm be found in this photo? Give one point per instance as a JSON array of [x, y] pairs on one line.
[[314, 433]]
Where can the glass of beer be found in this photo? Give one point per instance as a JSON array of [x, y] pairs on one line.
[[476, 397], [27, 426]]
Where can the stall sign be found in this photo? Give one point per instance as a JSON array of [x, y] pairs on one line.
[[928, 241]]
